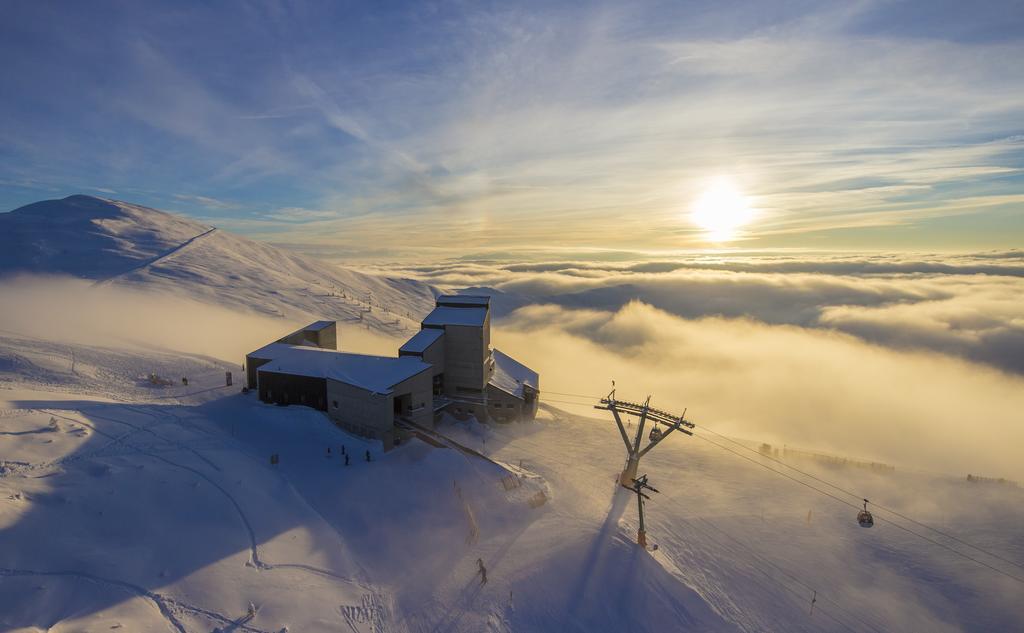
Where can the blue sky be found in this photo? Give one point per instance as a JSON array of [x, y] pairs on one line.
[[339, 127]]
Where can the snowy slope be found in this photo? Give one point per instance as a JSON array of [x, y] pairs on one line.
[[156, 509], [119, 243], [160, 511]]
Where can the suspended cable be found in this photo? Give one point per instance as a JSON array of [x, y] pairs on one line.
[[843, 501], [777, 581], [859, 497], [788, 574]]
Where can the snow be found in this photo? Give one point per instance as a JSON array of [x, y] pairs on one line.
[[373, 373], [114, 242], [158, 509], [456, 316], [421, 341], [275, 350], [510, 375], [129, 506]]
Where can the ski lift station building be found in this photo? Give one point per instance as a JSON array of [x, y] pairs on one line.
[[448, 365]]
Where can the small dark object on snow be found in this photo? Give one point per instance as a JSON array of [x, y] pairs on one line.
[[227, 378], [482, 571], [328, 452], [346, 459], [342, 449], [274, 459], [184, 381], [368, 458]]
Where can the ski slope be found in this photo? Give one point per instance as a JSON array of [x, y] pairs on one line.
[[157, 509], [131, 246]]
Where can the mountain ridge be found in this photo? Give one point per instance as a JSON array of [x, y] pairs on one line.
[[116, 242]]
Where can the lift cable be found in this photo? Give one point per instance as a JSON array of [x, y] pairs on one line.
[[845, 502], [859, 497], [856, 496], [762, 558], [776, 580]]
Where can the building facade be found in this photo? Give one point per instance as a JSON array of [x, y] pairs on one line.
[[448, 365]]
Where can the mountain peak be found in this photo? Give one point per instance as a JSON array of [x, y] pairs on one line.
[[88, 236], [77, 205]]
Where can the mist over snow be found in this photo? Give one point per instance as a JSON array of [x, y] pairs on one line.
[[911, 360], [71, 310]]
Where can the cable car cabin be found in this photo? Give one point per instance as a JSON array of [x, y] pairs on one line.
[[864, 518], [655, 434]]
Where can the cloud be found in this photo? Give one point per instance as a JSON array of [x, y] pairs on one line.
[[206, 202], [782, 384], [504, 127], [965, 306]]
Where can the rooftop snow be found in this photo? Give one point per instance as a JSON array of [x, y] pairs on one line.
[[273, 350], [445, 315], [317, 326], [480, 301], [510, 375], [421, 341], [372, 373]]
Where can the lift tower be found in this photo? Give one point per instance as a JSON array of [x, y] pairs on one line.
[[639, 485], [644, 412]]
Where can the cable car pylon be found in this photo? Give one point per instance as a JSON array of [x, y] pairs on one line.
[[644, 412], [638, 486]]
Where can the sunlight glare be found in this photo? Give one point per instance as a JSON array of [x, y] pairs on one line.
[[721, 211]]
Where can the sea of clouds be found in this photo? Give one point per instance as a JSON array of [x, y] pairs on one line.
[[915, 360]]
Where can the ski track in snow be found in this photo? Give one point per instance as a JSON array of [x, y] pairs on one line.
[[169, 607], [166, 605], [161, 257], [255, 558]]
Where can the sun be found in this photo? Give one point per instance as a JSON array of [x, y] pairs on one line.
[[721, 211]]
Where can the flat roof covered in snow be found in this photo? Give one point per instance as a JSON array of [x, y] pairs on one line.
[[273, 350], [510, 375], [480, 301], [446, 315], [317, 326], [372, 373], [421, 341]]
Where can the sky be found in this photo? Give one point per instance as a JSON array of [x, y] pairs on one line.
[[391, 128]]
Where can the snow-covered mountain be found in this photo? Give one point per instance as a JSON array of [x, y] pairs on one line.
[[114, 242]]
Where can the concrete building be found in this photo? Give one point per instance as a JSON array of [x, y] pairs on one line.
[[448, 365], [321, 334]]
